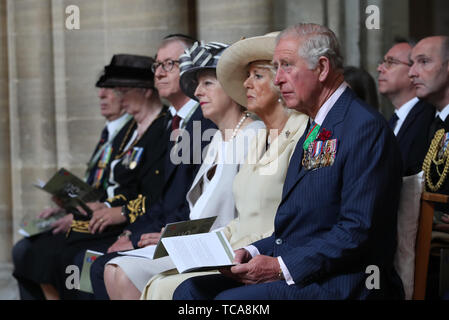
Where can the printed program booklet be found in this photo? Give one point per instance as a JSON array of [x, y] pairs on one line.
[[32, 226], [89, 258], [171, 230], [200, 252], [69, 190]]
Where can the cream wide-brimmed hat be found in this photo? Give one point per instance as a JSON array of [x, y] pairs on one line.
[[232, 66]]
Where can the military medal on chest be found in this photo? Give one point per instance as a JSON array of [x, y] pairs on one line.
[[133, 157], [319, 151], [102, 165]]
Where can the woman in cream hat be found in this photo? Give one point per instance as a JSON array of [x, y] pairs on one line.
[[246, 74]]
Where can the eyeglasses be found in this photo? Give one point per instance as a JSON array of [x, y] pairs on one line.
[[167, 65], [389, 62]]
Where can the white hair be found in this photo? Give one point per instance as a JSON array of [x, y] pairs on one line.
[[319, 41]]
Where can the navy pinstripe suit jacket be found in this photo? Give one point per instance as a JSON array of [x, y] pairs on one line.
[[335, 221]]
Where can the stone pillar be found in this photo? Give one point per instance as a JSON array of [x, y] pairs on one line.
[[5, 176], [441, 11], [229, 21], [107, 27], [305, 11], [394, 22], [32, 131]]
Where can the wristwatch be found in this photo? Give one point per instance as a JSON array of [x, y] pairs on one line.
[[281, 274]]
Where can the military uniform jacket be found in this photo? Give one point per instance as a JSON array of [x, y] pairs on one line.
[[435, 161], [139, 168]]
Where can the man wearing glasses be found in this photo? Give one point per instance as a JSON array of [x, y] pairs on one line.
[[166, 78], [412, 117]]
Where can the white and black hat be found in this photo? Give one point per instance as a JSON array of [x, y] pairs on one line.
[[196, 58]]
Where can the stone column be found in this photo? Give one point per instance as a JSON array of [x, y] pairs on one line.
[[229, 21], [107, 27], [32, 131], [394, 22], [5, 176]]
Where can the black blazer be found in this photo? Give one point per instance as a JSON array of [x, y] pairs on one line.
[[413, 137], [136, 174]]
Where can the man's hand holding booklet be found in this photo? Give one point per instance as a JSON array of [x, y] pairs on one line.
[[200, 252], [190, 246]]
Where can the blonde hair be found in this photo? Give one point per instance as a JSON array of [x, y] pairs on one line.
[[266, 64]]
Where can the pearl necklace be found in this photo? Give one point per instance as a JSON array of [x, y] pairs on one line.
[[237, 127]]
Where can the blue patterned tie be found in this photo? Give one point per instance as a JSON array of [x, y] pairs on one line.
[[393, 120]]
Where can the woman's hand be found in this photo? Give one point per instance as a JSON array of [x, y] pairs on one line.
[[148, 239], [105, 217]]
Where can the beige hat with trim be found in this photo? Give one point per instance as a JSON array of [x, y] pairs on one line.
[[231, 68]]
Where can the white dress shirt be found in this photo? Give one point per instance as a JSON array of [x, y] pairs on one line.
[[184, 111], [443, 113], [403, 112]]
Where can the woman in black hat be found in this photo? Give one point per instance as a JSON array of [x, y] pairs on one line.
[[138, 166]]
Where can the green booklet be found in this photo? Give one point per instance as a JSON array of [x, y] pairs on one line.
[[89, 258], [32, 226], [70, 191], [172, 230]]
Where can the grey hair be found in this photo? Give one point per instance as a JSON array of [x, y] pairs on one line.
[[319, 41]]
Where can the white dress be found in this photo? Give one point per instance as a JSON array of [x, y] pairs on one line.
[[206, 198]]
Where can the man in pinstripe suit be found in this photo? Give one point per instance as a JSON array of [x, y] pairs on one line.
[[335, 229]]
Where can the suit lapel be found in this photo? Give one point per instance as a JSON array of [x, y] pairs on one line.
[[416, 110], [295, 167], [296, 172]]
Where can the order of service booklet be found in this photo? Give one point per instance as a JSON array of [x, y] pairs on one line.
[[32, 226], [200, 252], [70, 190], [171, 230], [89, 258]]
